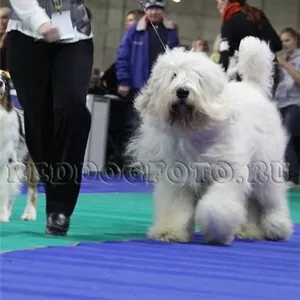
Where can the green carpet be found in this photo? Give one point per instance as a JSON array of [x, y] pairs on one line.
[[98, 217]]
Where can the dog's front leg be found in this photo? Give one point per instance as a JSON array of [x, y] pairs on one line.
[[30, 212], [174, 213], [221, 212]]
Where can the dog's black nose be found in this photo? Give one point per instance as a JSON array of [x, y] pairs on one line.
[[1, 83], [182, 93]]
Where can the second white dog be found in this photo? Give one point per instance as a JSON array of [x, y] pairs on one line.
[[215, 149]]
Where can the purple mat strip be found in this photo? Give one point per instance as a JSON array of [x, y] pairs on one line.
[[147, 270]]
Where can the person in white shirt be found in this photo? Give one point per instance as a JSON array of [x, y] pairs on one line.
[[50, 59]]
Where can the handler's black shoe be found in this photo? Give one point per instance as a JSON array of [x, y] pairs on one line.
[[57, 224]]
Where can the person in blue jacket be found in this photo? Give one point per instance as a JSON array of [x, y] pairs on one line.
[[138, 51], [140, 48]]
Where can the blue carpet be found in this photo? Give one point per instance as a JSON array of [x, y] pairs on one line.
[[148, 270]]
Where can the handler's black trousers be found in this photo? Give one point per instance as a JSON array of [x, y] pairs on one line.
[[51, 81], [291, 121]]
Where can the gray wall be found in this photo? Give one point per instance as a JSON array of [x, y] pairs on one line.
[[196, 19]]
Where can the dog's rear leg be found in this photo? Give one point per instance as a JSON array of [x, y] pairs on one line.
[[30, 212], [252, 228], [174, 213], [276, 223], [221, 212], [4, 204]]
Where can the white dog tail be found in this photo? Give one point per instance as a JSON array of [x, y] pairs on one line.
[[255, 63]]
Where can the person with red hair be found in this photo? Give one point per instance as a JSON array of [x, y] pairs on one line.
[[241, 20]]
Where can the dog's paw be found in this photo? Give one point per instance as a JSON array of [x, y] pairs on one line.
[[277, 226], [29, 214], [4, 218], [168, 234], [250, 234], [213, 240]]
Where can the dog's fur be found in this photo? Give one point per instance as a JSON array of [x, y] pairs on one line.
[[15, 161], [221, 124]]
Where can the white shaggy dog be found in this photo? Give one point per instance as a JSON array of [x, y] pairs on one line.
[[214, 148], [15, 162]]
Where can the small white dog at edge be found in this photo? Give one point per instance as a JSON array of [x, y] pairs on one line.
[[15, 161], [193, 119]]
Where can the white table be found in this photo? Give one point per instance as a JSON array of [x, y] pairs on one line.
[[99, 107]]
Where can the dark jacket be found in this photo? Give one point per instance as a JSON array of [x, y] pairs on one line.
[[238, 27], [3, 62], [132, 65]]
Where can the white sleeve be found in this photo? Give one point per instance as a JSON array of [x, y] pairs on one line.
[[30, 13]]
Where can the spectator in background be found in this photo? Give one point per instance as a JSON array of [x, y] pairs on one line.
[[95, 85], [221, 5], [138, 52], [215, 55], [118, 109], [200, 46], [133, 16], [175, 25], [109, 78], [140, 48], [241, 20], [288, 99], [4, 17]]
